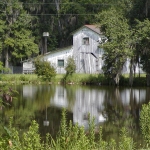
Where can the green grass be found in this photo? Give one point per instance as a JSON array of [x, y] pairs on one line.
[[69, 137], [73, 137], [18, 77], [96, 79]]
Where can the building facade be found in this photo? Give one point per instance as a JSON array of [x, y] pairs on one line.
[[85, 51]]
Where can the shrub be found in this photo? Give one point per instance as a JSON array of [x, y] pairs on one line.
[[145, 122], [44, 69], [23, 78], [71, 66], [126, 143]]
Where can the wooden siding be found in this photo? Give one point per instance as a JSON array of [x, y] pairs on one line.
[[85, 61], [62, 54], [85, 51], [28, 67]]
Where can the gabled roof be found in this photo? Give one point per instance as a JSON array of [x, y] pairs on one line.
[[94, 28], [58, 50]]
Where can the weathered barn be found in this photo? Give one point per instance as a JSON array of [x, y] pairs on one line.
[[85, 51]]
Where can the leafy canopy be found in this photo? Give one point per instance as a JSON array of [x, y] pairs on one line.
[[117, 48]]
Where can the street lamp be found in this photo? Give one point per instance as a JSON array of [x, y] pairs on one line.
[[45, 35]]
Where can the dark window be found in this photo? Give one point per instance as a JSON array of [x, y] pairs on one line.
[[60, 63], [86, 41]]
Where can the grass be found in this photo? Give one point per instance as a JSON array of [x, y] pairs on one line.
[[96, 79], [73, 137], [69, 137]]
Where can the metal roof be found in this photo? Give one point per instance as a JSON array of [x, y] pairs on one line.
[[94, 28]]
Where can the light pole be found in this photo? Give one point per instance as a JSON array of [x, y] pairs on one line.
[[45, 35]]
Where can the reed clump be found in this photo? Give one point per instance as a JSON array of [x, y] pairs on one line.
[[72, 137]]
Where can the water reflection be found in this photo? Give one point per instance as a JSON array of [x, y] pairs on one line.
[[102, 103], [111, 107]]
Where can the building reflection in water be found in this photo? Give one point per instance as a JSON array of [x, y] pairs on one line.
[[93, 101]]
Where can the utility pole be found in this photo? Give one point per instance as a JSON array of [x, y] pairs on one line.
[[45, 35]]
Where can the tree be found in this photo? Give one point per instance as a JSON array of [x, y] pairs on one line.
[[117, 49], [17, 41], [71, 66], [43, 20], [142, 36], [44, 69], [2, 27]]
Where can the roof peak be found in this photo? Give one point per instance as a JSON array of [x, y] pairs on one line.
[[92, 27]]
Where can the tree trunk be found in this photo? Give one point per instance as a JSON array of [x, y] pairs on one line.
[[117, 78], [6, 58], [131, 73], [57, 2], [146, 8], [148, 79]]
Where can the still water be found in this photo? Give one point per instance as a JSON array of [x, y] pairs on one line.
[[112, 107]]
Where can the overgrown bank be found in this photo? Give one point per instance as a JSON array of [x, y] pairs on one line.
[[96, 79], [74, 137]]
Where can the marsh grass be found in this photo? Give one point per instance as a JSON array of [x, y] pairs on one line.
[[69, 137], [17, 78], [95, 79]]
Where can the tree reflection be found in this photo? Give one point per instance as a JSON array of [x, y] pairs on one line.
[[112, 107], [122, 106]]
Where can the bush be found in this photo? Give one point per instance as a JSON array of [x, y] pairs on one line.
[[71, 66], [70, 137], [145, 122], [44, 69]]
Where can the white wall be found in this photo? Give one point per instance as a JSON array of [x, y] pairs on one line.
[[28, 67], [62, 54]]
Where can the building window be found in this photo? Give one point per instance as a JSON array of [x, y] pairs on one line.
[[60, 63], [86, 41]]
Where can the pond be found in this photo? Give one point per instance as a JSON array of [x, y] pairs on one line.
[[112, 107]]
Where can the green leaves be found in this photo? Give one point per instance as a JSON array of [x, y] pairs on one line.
[[17, 36], [117, 49], [145, 122], [44, 69], [142, 36], [71, 66]]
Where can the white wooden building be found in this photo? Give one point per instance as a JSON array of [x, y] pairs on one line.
[[59, 58], [85, 51]]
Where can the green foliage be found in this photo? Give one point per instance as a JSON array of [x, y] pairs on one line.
[[145, 122], [117, 48], [71, 66], [142, 36], [7, 94], [92, 133], [44, 69], [17, 37], [31, 139], [101, 143], [126, 143], [23, 78], [71, 137]]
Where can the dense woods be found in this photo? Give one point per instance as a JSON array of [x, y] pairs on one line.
[[125, 23]]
